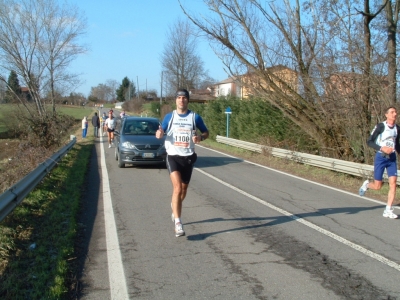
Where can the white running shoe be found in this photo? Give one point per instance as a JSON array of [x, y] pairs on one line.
[[109, 146], [179, 230], [363, 188], [389, 214]]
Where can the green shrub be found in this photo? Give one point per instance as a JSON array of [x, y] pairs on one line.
[[253, 120]]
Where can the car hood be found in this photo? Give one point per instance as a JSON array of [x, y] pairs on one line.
[[142, 139]]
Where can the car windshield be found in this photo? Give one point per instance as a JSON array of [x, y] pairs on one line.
[[140, 127]]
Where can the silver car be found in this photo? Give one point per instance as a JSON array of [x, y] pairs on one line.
[[136, 143]]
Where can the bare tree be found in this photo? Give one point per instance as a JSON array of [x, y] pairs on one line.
[[242, 28], [113, 84], [38, 39], [319, 41], [63, 25], [182, 65], [392, 18], [105, 91]]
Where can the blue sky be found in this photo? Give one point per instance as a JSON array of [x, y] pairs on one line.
[[127, 37]]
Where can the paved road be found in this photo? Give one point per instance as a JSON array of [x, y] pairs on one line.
[[251, 233]]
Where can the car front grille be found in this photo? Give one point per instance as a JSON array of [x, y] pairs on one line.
[[138, 159], [147, 147]]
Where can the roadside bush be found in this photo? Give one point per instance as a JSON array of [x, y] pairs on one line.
[[47, 131], [38, 138], [155, 108], [254, 120], [134, 106]]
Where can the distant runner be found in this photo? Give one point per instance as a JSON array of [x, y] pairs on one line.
[[110, 125]]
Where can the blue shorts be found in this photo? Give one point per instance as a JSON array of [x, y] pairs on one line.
[[382, 162]]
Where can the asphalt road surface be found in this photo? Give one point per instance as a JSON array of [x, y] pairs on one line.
[[251, 233]]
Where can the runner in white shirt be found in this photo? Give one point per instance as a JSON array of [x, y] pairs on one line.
[[110, 125], [385, 139], [181, 127]]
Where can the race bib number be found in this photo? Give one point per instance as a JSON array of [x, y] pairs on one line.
[[182, 137], [389, 143]]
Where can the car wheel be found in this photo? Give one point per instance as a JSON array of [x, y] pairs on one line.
[[120, 163]]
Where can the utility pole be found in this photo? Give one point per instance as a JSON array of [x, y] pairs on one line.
[[137, 82], [129, 91], [162, 74]]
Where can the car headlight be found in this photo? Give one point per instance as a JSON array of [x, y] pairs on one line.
[[128, 145]]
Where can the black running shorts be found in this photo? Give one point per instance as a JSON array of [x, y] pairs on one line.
[[182, 164]]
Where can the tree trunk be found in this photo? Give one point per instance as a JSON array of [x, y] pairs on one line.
[[392, 19]]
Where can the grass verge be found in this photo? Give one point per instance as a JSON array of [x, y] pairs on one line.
[[37, 239]]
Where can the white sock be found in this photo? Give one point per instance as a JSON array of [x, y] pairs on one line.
[[177, 220], [388, 207]]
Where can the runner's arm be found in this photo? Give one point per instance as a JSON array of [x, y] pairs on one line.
[[202, 127], [397, 144], [371, 142]]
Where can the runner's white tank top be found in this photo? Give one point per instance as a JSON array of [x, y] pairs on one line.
[[179, 134], [388, 136]]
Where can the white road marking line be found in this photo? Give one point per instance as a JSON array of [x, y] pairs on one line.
[[300, 178], [118, 288], [309, 224]]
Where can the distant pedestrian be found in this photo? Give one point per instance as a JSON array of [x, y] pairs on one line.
[[385, 139], [96, 125], [103, 123], [85, 126]]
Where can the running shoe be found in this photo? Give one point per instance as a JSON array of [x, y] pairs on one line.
[[389, 214], [363, 188], [179, 230], [109, 146]]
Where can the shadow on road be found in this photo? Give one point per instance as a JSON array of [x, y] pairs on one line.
[[89, 211], [275, 220]]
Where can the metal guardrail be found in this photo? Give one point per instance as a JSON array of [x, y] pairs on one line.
[[15, 194], [355, 169]]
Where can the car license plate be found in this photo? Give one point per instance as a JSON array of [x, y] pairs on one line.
[[148, 155]]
